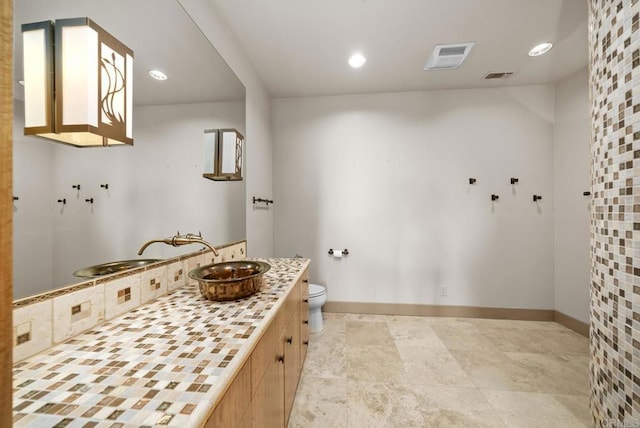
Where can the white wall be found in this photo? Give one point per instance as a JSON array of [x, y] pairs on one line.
[[33, 213], [386, 176], [259, 180], [571, 208]]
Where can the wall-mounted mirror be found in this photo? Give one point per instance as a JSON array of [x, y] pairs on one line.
[[149, 190]]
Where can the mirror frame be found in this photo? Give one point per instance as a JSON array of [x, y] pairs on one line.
[[6, 227]]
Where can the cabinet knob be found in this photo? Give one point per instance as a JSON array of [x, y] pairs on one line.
[[305, 322], [305, 281], [281, 358], [306, 342], [290, 340], [305, 300]]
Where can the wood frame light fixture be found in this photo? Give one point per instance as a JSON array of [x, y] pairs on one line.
[[78, 83]]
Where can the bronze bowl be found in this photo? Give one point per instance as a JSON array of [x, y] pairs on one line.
[[230, 280]]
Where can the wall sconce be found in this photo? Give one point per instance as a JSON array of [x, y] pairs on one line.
[[88, 99], [222, 154]]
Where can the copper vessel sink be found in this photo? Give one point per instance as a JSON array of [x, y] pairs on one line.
[[230, 280]]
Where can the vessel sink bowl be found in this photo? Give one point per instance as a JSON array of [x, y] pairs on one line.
[[112, 267], [230, 280]]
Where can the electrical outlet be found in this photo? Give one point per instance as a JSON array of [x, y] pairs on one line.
[[443, 291]]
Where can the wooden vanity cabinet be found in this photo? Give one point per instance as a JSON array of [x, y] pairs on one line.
[[274, 368]]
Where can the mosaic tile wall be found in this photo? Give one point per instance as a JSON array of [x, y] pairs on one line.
[[614, 57]]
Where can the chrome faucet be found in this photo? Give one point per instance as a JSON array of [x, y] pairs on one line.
[[178, 240]]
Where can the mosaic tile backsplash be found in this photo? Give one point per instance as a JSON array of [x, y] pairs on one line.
[[53, 317], [164, 363], [614, 57]]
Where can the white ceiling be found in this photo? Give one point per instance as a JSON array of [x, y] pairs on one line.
[[300, 47], [161, 36]]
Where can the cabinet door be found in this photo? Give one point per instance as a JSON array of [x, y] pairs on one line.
[[291, 360], [247, 419], [304, 318], [268, 401], [274, 386], [231, 409], [265, 351]]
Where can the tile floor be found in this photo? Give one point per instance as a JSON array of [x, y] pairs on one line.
[[401, 371]]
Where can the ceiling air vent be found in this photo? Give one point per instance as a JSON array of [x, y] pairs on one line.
[[498, 75], [447, 57]]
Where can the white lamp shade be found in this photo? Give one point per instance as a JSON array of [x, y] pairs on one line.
[[222, 154], [36, 41], [92, 79]]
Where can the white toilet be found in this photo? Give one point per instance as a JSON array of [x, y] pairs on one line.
[[317, 298]]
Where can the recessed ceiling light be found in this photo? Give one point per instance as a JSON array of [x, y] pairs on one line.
[[540, 49], [357, 60], [157, 74]]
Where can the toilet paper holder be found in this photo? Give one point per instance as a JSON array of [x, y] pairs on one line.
[[344, 252]]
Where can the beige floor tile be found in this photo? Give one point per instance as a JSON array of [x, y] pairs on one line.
[[325, 360], [409, 318], [451, 407], [524, 371], [374, 364], [458, 333], [531, 410], [366, 317], [320, 403], [414, 377], [494, 370], [372, 404], [483, 323], [451, 321], [578, 405], [333, 331], [428, 366], [557, 374], [333, 315], [363, 333], [557, 342], [414, 331]]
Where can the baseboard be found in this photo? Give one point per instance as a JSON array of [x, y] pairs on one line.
[[441, 311], [571, 323], [459, 311]]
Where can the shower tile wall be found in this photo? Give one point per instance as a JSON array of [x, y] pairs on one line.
[[614, 56]]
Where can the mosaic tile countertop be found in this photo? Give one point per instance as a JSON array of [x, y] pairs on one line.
[[165, 363]]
